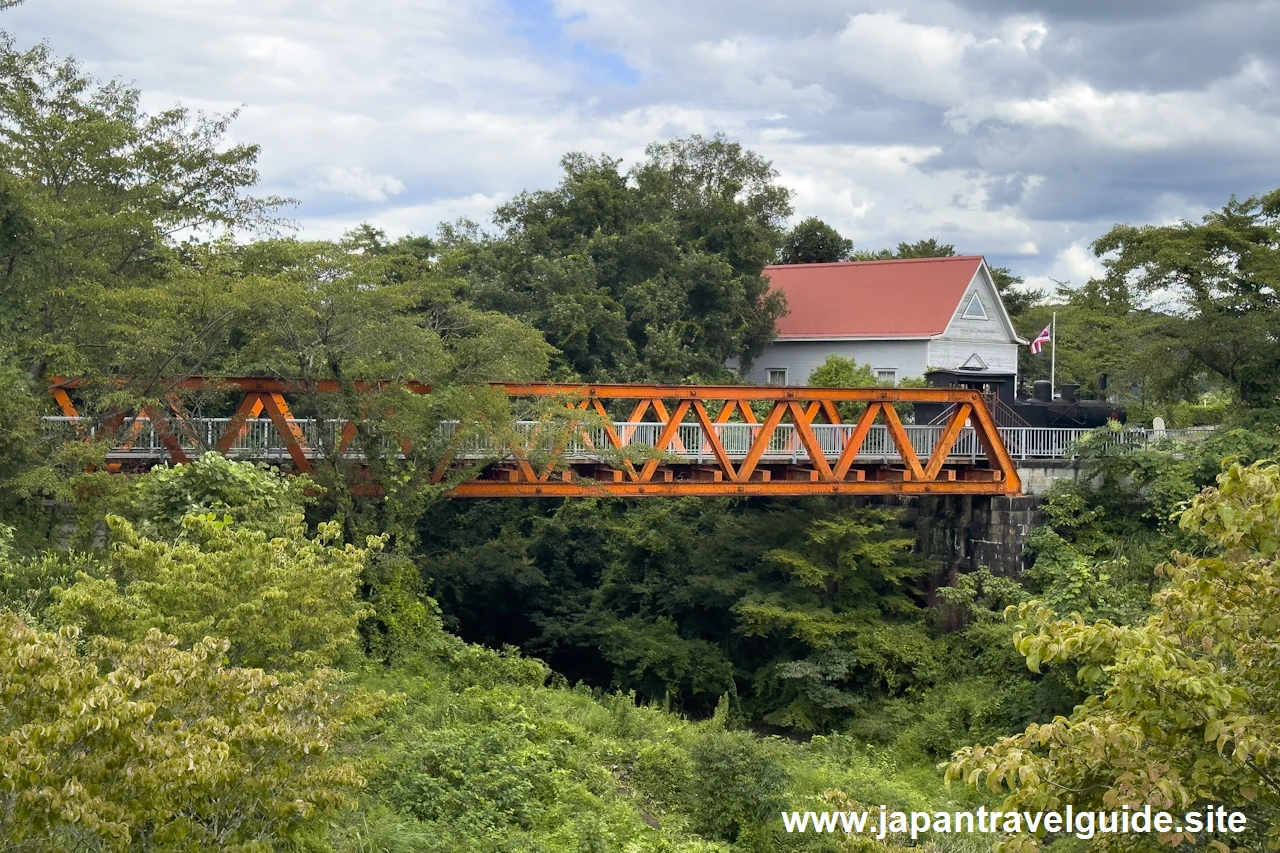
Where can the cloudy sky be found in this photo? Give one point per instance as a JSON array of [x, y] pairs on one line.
[[1018, 129]]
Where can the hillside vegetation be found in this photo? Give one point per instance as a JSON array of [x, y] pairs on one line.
[[224, 657]]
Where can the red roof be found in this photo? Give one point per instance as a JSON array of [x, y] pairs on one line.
[[913, 298]]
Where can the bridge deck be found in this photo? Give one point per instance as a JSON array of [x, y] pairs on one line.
[[692, 440], [687, 452], [260, 441]]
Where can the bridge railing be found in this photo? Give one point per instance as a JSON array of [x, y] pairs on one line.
[[1063, 442], [259, 439]]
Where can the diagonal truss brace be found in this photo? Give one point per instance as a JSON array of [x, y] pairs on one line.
[[667, 408]]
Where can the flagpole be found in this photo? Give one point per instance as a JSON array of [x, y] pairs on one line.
[[1053, 356]]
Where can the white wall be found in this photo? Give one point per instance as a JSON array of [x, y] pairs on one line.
[[990, 338], [950, 355], [800, 358]]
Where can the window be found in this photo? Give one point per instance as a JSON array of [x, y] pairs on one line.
[[975, 311], [776, 376], [885, 376]]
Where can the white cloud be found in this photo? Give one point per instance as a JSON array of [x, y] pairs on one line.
[[916, 61], [1080, 264], [1075, 265], [893, 121], [359, 184], [1025, 35], [1140, 121], [881, 195], [404, 219]]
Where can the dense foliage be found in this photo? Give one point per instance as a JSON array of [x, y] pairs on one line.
[[810, 615], [1226, 271], [1184, 312], [653, 275], [289, 600], [108, 745], [1182, 707], [218, 656], [119, 736], [813, 241], [96, 193]]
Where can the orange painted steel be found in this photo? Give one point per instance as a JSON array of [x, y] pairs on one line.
[[671, 468]]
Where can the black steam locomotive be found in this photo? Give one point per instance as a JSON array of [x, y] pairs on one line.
[[1009, 408]]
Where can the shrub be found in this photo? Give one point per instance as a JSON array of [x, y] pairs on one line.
[[735, 784], [288, 602], [140, 745]]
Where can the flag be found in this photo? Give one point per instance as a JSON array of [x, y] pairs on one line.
[[1041, 339]]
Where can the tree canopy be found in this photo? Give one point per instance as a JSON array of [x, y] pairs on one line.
[[1216, 284], [653, 274], [813, 241], [1182, 313], [142, 745], [93, 197]]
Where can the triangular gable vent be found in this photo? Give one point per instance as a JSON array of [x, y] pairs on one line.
[[975, 362], [975, 311]]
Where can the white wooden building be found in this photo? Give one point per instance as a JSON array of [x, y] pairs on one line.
[[901, 317]]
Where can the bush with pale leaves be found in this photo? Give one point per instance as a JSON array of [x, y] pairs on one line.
[[120, 746]]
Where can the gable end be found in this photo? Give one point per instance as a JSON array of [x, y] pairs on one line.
[[987, 320]]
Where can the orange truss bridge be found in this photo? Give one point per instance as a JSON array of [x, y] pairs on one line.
[[626, 440]]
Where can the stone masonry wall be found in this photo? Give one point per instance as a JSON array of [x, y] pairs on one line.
[[966, 532]]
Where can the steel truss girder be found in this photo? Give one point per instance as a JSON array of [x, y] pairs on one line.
[[667, 407]]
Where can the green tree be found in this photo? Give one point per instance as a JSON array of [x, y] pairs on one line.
[[140, 746], [252, 496], [836, 609], [95, 193], [927, 248], [1100, 331], [19, 426], [840, 372], [653, 275], [736, 784], [670, 598], [1016, 301], [1226, 271], [328, 311], [1183, 710], [813, 241], [372, 322]]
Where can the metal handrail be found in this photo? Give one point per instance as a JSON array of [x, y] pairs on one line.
[[259, 439]]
